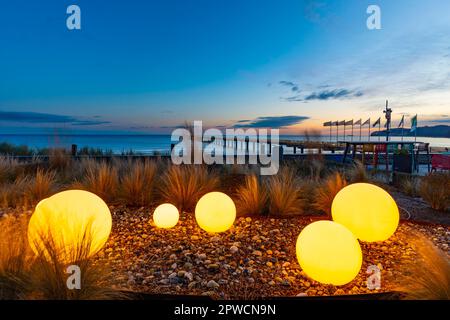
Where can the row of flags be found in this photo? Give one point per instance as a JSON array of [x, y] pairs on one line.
[[361, 124], [376, 123]]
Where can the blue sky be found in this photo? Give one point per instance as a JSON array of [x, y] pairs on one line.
[[147, 66]]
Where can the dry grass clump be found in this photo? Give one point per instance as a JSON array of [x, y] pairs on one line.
[[410, 186], [137, 183], [252, 197], [9, 168], [312, 167], [40, 186], [184, 185], [435, 190], [24, 275], [285, 195], [327, 191], [358, 173], [50, 273], [15, 258], [26, 191], [12, 194], [100, 178], [428, 276], [59, 159]]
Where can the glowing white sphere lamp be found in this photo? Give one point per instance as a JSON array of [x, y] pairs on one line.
[[215, 212]]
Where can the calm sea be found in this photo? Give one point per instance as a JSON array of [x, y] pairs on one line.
[[147, 143]]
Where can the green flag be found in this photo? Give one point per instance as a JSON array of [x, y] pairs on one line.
[[414, 123]]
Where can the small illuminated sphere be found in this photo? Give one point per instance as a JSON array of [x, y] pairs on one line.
[[366, 210], [215, 212], [329, 253], [68, 222], [166, 216]]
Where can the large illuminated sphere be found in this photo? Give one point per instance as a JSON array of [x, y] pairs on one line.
[[329, 253], [366, 210], [70, 221], [215, 212], [166, 216]]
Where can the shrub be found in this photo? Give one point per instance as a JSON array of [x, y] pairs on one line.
[[13, 150], [428, 276], [59, 160], [15, 258], [8, 169], [13, 194], [49, 277], [251, 198], [184, 185], [358, 173], [327, 191], [285, 193], [101, 179], [137, 184], [410, 186], [40, 186], [312, 167], [24, 275], [435, 190]]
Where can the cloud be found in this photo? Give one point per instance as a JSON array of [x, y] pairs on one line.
[[327, 95], [293, 86], [89, 123], [39, 118], [271, 122]]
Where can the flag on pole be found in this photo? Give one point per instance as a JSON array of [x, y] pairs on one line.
[[377, 122], [366, 122], [402, 122], [327, 124], [349, 123], [414, 123], [358, 122], [341, 123], [335, 123]]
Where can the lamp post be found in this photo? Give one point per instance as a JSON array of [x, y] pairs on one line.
[[387, 112]]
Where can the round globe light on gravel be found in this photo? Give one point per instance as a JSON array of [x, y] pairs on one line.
[[69, 222], [329, 253], [166, 216], [215, 212], [366, 210]]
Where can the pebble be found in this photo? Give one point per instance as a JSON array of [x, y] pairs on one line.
[[212, 284], [234, 249], [260, 254], [257, 253]]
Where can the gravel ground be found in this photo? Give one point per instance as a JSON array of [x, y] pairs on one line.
[[415, 209], [256, 258]]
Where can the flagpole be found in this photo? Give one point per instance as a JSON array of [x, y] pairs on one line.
[[415, 131], [379, 129], [360, 128], [344, 130], [369, 129], [352, 131], [331, 126], [403, 126], [337, 132]]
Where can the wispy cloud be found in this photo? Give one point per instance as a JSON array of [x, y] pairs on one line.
[[291, 85], [271, 122], [327, 95], [46, 118]]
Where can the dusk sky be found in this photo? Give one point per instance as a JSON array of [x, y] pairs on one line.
[[147, 66]]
